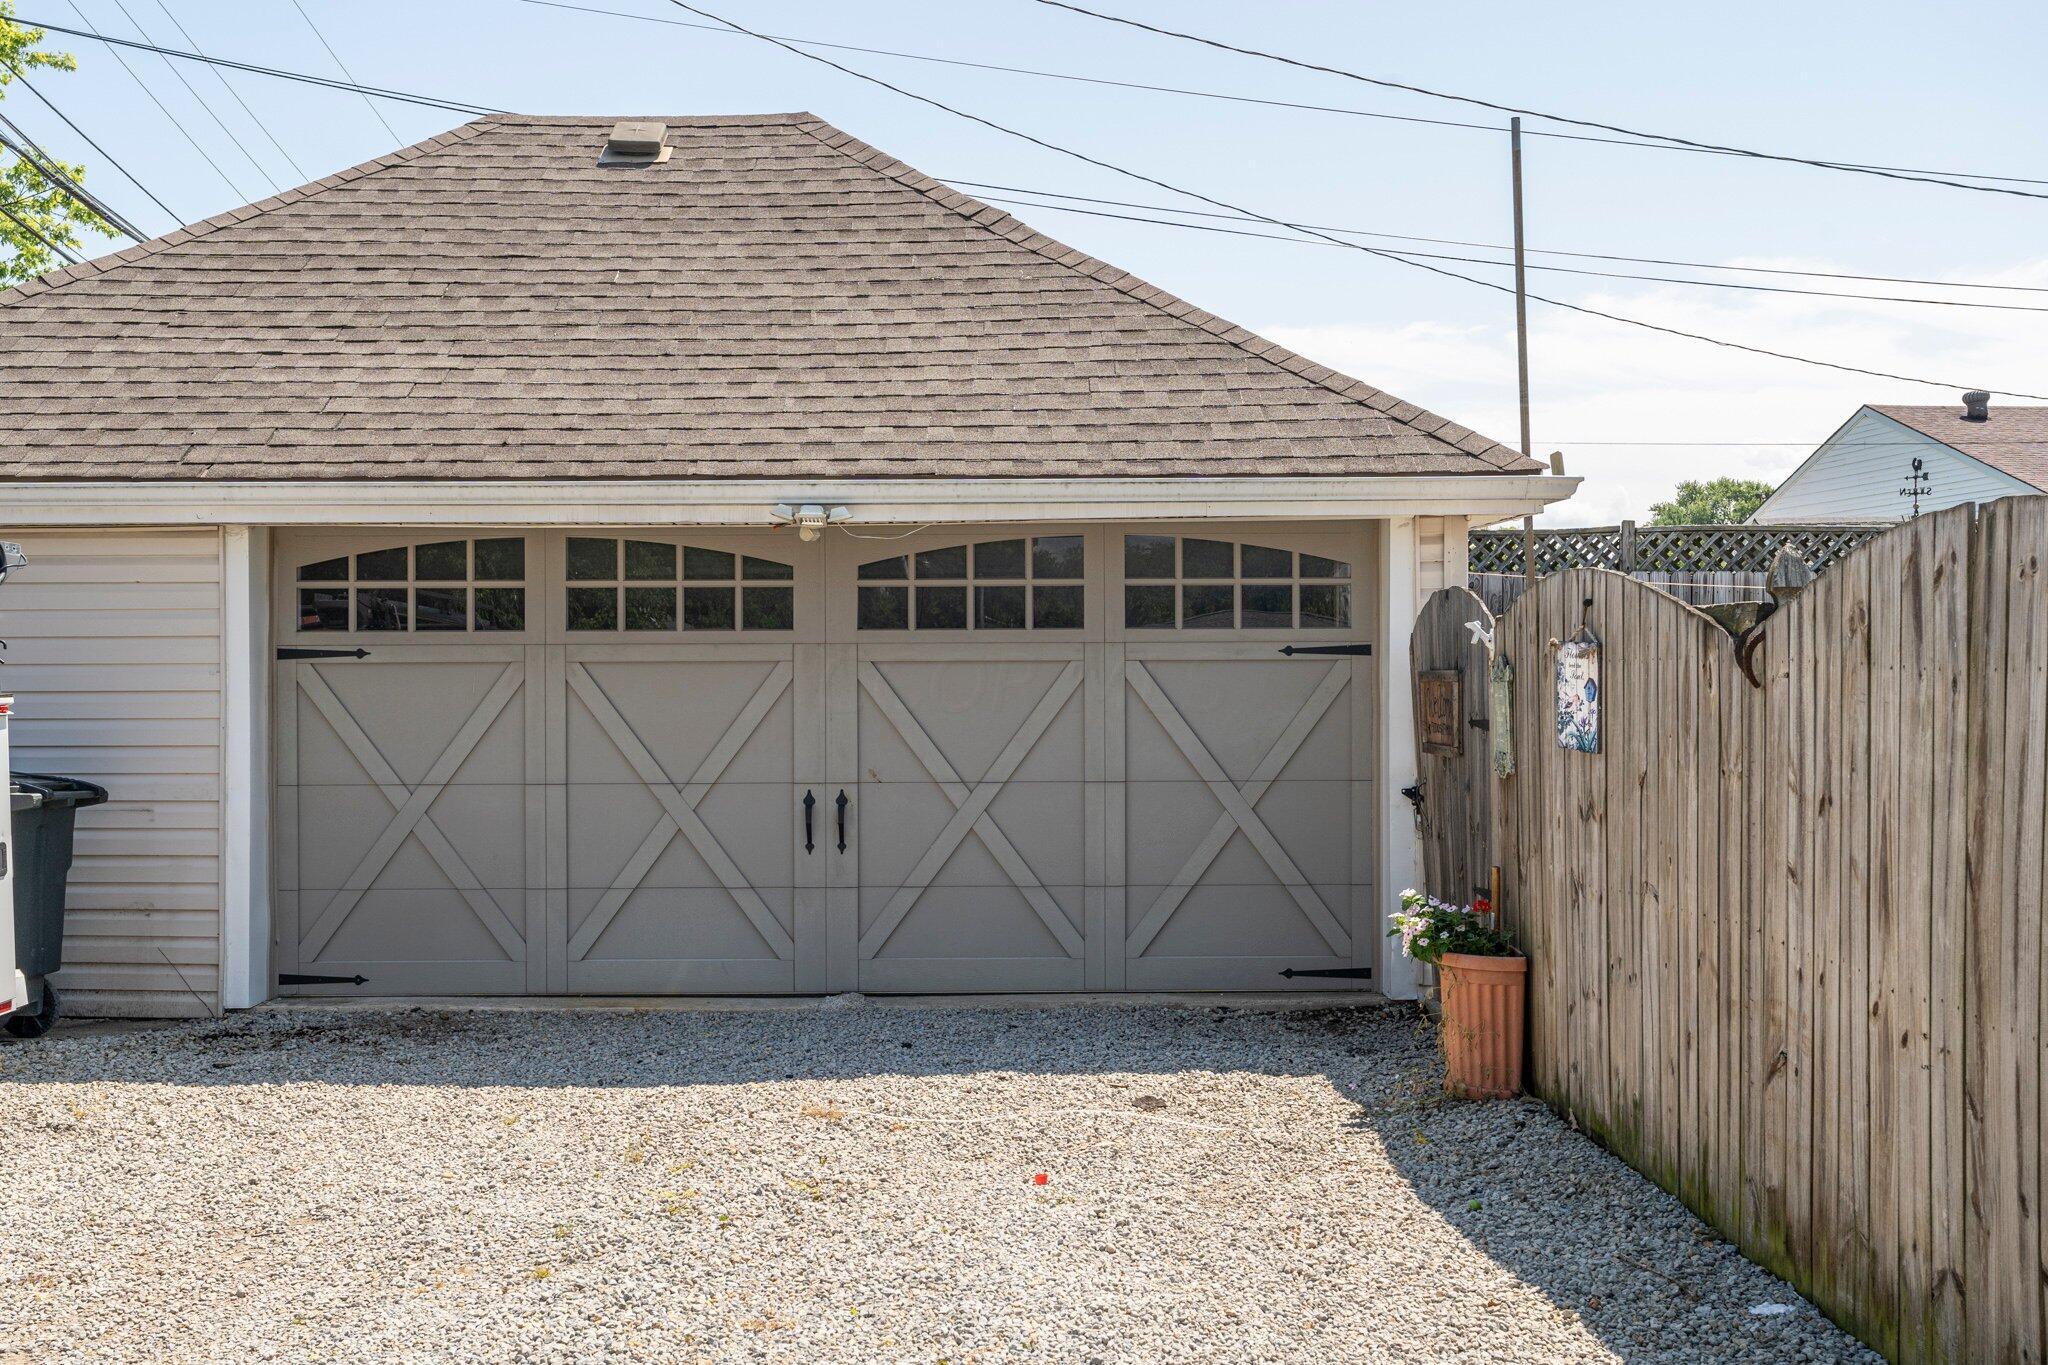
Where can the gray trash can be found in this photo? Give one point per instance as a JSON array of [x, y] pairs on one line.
[[43, 809]]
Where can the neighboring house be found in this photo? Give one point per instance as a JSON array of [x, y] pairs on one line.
[[408, 556], [1971, 453]]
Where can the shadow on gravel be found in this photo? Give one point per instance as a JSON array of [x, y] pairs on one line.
[[1554, 1210], [1549, 1206], [626, 1048], [1571, 1220]]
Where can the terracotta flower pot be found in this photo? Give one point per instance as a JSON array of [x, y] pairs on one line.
[[1483, 999]]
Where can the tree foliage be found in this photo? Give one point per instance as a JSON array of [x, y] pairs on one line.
[[1715, 502], [35, 213]]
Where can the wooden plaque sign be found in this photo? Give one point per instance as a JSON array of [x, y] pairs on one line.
[[1440, 707]]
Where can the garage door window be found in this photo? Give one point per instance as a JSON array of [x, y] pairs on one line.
[[1029, 583], [1190, 583], [446, 585], [652, 585]]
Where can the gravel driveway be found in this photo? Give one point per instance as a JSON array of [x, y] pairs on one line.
[[840, 1184]]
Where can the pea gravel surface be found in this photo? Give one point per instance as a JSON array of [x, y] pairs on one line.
[[865, 1183]]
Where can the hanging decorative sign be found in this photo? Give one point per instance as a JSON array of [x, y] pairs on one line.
[[1440, 703], [1578, 692], [1500, 715]]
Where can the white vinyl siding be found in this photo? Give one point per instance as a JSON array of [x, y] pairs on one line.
[[1857, 473], [113, 655]]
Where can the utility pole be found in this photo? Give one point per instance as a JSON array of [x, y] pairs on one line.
[[1522, 337]]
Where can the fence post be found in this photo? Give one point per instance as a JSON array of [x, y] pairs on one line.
[[1628, 547]]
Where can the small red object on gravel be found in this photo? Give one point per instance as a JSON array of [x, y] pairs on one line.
[[1040, 1179]]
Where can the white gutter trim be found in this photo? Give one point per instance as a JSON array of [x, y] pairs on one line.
[[745, 502]]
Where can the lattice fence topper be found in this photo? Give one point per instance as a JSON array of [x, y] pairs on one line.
[[1670, 549]]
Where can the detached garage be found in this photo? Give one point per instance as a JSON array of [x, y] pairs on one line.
[[755, 568]]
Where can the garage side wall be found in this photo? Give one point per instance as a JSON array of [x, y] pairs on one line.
[[114, 658], [1440, 549]]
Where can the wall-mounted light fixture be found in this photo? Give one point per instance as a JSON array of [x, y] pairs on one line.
[[810, 519]]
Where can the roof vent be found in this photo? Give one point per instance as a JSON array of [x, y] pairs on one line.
[[636, 143], [1976, 406]]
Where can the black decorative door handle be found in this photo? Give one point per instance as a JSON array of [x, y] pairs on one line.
[[841, 803], [810, 804]]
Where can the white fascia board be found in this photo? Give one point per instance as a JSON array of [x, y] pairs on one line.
[[745, 502]]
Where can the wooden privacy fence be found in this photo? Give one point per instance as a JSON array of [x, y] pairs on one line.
[[1786, 939]]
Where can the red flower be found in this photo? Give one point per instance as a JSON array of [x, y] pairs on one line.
[[1482, 904]]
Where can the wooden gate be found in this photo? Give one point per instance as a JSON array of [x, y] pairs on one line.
[[1454, 787]]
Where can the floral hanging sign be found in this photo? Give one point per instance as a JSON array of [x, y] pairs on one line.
[[1578, 692]]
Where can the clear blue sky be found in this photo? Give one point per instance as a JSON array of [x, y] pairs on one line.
[[1878, 82]]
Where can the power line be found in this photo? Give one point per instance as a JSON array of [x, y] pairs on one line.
[[46, 167], [1234, 211], [1355, 246], [344, 70], [1858, 169], [58, 251], [1555, 269], [105, 155], [144, 88], [254, 117], [469, 108], [198, 98], [1496, 246], [303, 77], [1488, 128]]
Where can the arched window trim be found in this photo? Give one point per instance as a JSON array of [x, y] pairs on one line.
[[447, 586], [1234, 583], [1005, 582], [629, 586]]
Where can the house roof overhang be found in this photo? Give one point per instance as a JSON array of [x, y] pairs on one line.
[[746, 502]]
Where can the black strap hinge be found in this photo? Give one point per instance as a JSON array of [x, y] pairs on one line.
[[301, 979], [1291, 650], [290, 653], [1348, 973]]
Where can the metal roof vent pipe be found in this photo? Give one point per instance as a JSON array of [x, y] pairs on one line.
[[1976, 406], [637, 142]]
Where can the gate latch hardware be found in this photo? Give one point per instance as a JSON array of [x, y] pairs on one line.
[[1414, 795]]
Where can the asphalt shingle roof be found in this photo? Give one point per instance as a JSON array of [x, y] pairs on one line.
[[2011, 439], [776, 298]]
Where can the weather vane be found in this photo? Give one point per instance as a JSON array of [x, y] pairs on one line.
[[1918, 484]]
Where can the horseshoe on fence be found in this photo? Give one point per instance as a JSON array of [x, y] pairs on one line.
[[1746, 650]]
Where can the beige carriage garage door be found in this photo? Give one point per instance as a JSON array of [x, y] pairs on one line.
[[660, 762], [517, 763], [1081, 760]]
